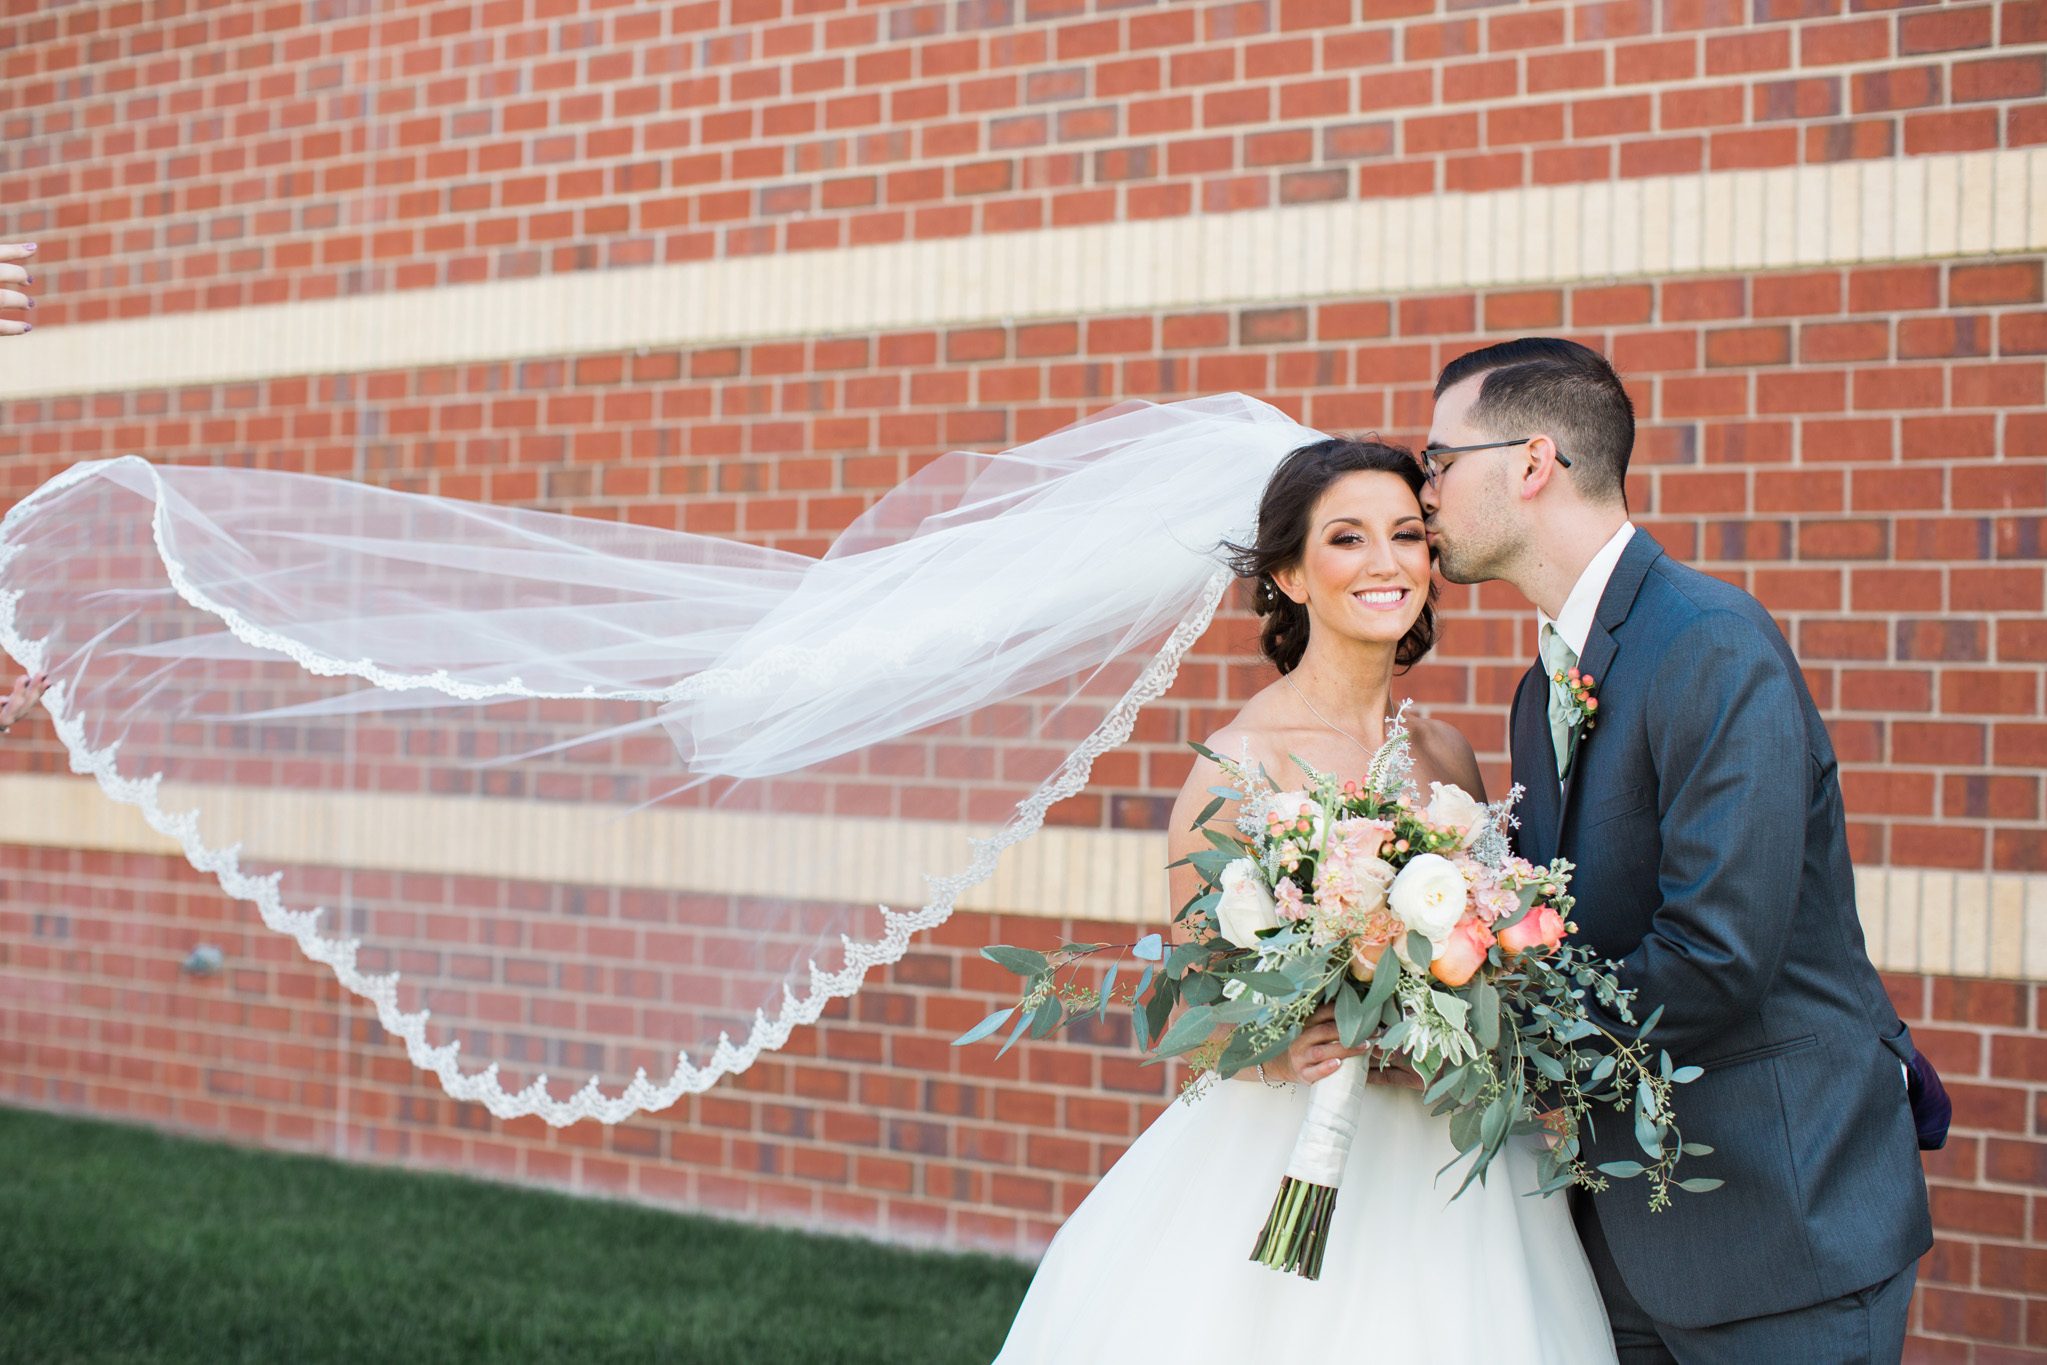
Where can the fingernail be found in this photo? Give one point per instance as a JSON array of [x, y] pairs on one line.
[[30, 304], [28, 327]]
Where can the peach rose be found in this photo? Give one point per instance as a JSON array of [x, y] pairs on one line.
[[1463, 953], [1542, 927], [1364, 959]]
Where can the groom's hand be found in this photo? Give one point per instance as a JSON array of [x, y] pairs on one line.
[[14, 271]]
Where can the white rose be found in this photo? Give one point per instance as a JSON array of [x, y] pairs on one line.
[[1429, 897], [1246, 906], [1374, 876], [1451, 807]]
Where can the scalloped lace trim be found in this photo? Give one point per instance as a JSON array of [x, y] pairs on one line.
[[443, 1061]]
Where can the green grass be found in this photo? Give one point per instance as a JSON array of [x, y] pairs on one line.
[[119, 1244]]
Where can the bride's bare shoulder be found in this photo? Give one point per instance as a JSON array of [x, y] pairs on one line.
[[1443, 754]]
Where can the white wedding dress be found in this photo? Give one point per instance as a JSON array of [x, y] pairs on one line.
[[1155, 1264]]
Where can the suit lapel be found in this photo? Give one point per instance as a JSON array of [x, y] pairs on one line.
[[1600, 648]]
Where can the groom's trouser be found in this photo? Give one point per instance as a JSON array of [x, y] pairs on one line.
[[1863, 1328]]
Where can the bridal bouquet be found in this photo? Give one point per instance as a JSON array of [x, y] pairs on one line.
[[1432, 942]]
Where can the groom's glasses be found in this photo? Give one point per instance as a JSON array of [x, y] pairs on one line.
[[1433, 464]]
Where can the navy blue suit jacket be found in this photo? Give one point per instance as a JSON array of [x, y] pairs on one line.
[[1703, 811]]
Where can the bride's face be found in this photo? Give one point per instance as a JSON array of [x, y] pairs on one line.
[[1365, 570]]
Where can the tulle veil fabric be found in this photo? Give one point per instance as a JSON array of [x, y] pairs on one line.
[[271, 666]]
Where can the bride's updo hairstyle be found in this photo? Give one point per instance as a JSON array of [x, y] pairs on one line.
[[1284, 517]]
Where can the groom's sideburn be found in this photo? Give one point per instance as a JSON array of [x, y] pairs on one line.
[[1704, 818]]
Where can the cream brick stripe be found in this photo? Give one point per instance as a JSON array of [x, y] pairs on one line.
[[1922, 207], [1950, 923], [1099, 874]]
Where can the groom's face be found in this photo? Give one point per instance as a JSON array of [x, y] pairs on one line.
[[1473, 515]]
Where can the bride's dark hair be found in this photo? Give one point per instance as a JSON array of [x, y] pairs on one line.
[[1283, 528]]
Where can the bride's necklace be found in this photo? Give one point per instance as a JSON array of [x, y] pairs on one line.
[[1288, 679]]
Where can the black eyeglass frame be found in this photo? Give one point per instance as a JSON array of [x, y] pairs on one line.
[[1434, 471]]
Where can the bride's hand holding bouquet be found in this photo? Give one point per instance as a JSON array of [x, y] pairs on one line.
[[1405, 925]]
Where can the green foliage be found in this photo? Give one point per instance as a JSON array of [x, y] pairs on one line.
[[1517, 1051]]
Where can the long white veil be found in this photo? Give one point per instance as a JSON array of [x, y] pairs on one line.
[[319, 687]]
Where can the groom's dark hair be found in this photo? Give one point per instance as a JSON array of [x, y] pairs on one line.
[[1551, 387]]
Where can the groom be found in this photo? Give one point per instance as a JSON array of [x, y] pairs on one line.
[[1700, 801]]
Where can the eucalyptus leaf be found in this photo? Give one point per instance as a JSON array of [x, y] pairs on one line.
[[1242, 1010], [1419, 948], [1202, 988], [1473, 1082], [1547, 1065], [1464, 1129], [1700, 1184], [1444, 1084], [1149, 948], [1226, 793], [1108, 988], [1383, 981], [1185, 956], [1236, 1055], [1663, 1064], [1023, 1021], [1649, 1024], [1685, 1075], [984, 1028], [1493, 1126], [1604, 1069], [1697, 1149], [1189, 1030], [1352, 1022], [1225, 843], [1485, 1007], [1049, 1015], [1622, 1170], [1278, 985], [1207, 812], [1022, 961], [1648, 1137]]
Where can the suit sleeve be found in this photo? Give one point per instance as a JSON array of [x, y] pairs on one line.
[[1726, 732]]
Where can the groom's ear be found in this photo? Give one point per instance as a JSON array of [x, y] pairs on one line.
[[1538, 466]]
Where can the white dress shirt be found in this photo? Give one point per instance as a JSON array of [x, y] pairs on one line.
[[1574, 622]]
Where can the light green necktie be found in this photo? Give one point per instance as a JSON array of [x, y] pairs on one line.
[[1557, 655]]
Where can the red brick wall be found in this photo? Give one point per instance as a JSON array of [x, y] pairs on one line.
[[180, 154], [1866, 450], [868, 1121]]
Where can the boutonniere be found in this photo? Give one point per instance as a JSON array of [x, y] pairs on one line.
[[1581, 706]]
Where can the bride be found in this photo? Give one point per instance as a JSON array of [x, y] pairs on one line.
[[195, 620], [1144, 1269]]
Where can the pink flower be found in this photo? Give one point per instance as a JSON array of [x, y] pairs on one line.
[[1287, 899], [1542, 927], [1493, 903], [1463, 953]]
